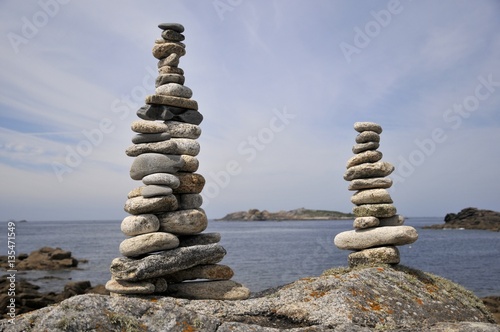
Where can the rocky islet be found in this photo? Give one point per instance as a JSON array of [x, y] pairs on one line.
[[165, 247], [378, 229]]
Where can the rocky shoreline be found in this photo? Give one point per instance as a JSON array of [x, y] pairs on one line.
[[297, 214], [471, 218]]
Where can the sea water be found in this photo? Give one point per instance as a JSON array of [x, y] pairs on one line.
[[267, 254]]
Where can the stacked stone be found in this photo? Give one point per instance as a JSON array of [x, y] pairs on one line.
[[166, 246], [378, 227]]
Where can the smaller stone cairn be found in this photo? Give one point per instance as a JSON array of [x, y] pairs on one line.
[[378, 227], [166, 252]]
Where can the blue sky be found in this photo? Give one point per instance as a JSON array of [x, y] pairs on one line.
[[280, 84]]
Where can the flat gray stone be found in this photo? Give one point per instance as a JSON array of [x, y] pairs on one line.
[[371, 196], [209, 290], [370, 156], [169, 78], [161, 179], [147, 243], [174, 89], [198, 239], [183, 222], [208, 272], [367, 126], [396, 220], [166, 262], [177, 27], [154, 190], [368, 170], [374, 210], [183, 130], [149, 138], [171, 100], [149, 163], [365, 222], [374, 256], [372, 183], [367, 136], [375, 237], [141, 224], [161, 51], [148, 127], [176, 146], [358, 148], [125, 287], [191, 183], [140, 205]]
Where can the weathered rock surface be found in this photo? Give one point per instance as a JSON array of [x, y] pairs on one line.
[[368, 170], [140, 205], [375, 210], [471, 218], [141, 224], [147, 243], [384, 255], [361, 299]]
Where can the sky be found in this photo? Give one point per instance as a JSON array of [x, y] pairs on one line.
[[280, 84]]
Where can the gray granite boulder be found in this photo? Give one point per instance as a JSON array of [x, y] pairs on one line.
[[381, 298]]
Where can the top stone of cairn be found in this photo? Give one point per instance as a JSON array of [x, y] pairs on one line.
[[367, 126], [172, 26]]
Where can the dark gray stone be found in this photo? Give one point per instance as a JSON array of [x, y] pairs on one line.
[[367, 136], [150, 138], [172, 35], [177, 27], [152, 112], [198, 239], [189, 116]]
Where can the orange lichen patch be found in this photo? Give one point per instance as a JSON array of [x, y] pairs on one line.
[[419, 301], [431, 288], [153, 300], [308, 279], [186, 327], [380, 269], [317, 294], [374, 305], [389, 311]]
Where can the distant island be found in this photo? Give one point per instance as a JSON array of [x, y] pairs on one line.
[[471, 218], [297, 214]]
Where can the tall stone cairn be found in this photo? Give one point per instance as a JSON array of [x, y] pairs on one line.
[[378, 229], [166, 246]]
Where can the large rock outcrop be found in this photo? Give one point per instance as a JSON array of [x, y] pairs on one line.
[[382, 298], [297, 214], [471, 218], [46, 258]]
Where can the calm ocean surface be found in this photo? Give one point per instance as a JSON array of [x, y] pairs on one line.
[[269, 254]]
